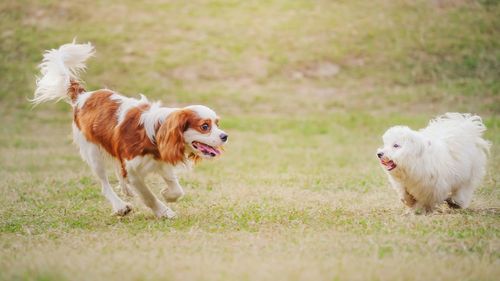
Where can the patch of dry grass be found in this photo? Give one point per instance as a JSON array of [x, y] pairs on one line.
[[299, 254]]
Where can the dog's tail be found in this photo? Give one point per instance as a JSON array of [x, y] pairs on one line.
[[60, 70], [468, 126]]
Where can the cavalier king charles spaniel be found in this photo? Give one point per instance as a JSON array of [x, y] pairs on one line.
[[139, 135]]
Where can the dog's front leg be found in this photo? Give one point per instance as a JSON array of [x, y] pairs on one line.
[[422, 208], [405, 197], [149, 199], [173, 191], [408, 199]]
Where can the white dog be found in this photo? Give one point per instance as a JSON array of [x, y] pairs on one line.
[[443, 162]]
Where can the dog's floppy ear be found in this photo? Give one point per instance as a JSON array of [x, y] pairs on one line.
[[170, 136]]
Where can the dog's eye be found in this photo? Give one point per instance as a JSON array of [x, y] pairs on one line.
[[396, 145], [205, 127]]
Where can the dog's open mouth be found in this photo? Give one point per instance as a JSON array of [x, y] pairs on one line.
[[205, 149], [389, 164]]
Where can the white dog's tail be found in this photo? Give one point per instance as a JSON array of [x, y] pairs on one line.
[[60, 69], [466, 125]]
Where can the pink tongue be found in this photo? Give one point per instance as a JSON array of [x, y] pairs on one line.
[[208, 149]]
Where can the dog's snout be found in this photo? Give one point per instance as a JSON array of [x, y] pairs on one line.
[[380, 154], [223, 137]]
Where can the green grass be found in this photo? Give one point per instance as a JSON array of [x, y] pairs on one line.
[[298, 193]]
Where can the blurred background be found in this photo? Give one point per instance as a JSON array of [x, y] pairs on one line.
[[270, 57], [305, 90]]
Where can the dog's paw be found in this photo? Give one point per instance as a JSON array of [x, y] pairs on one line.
[[123, 210], [423, 210], [165, 213], [172, 195], [408, 200], [452, 204]]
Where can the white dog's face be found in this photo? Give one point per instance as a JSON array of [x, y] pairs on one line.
[[401, 144]]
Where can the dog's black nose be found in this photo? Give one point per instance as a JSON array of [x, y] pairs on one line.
[[380, 154], [223, 137]]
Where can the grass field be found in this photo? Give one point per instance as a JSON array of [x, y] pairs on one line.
[[305, 90]]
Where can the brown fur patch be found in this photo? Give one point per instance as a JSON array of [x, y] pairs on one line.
[[74, 90], [97, 120], [131, 136]]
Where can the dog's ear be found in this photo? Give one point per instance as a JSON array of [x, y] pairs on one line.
[[170, 136], [418, 142]]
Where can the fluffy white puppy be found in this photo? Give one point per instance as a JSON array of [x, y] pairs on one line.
[[445, 161]]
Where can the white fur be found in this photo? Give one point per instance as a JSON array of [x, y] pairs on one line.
[[444, 161], [153, 117], [126, 104], [58, 67]]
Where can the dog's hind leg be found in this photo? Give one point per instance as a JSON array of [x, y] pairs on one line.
[[452, 204], [92, 154], [461, 197], [96, 163], [122, 182]]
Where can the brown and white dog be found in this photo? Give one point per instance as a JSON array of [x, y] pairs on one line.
[[140, 136]]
